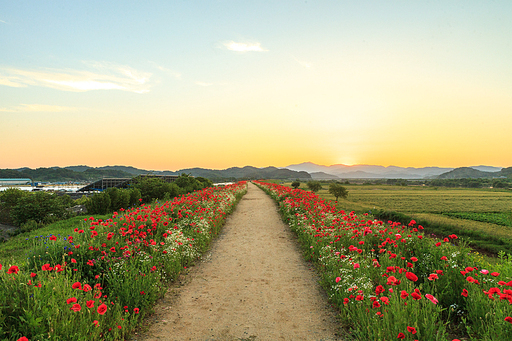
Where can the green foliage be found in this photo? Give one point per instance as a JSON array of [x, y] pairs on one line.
[[135, 195], [314, 185], [188, 183], [10, 196], [40, 207], [296, 184], [99, 203], [119, 198], [155, 188], [338, 190], [204, 181], [30, 225]]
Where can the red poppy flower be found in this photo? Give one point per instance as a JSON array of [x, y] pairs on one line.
[[53, 238], [102, 309], [431, 298], [13, 269], [401, 336], [410, 276], [433, 277], [464, 293], [90, 304], [508, 319], [379, 290], [411, 330], [23, 338], [71, 300], [76, 307], [77, 285], [136, 310]]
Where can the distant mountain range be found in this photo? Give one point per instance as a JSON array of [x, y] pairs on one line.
[[303, 171], [472, 173], [86, 173], [378, 172]]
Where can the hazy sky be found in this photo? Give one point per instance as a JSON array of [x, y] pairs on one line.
[[215, 84]]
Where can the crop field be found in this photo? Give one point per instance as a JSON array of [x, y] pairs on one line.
[[390, 282], [484, 216]]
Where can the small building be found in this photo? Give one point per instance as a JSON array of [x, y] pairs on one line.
[[15, 182]]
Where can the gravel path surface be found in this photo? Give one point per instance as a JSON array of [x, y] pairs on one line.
[[252, 285]]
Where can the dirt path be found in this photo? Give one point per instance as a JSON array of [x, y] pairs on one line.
[[252, 285]]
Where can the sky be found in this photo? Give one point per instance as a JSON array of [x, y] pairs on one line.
[[168, 85]]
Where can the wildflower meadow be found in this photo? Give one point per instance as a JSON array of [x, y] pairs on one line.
[[391, 282], [100, 280]]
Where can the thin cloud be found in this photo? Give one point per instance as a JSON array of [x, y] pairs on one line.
[[170, 72], [102, 76], [303, 63], [3, 21], [244, 47], [37, 108]]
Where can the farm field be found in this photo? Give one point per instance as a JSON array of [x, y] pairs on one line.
[[477, 214]]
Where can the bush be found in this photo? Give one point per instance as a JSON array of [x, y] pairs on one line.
[[99, 203], [135, 195], [119, 198], [188, 183], [10, 196], [314, 186], [155, 188], [42, 207], [30, 225]]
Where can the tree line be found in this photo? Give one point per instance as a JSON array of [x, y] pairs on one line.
[[32, 210]]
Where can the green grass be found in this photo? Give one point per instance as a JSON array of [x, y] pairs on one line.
[[503, 219], [18, 248]]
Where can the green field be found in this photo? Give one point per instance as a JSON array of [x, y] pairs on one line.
[[484, 216]]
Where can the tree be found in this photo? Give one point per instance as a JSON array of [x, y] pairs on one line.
[[155, 188], [314, 186], [296, 184], [40, 207], [99, 203], [338, 190]]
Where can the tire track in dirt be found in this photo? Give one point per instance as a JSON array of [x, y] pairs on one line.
[[252, 285]]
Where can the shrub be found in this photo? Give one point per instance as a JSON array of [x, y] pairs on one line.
[[154, 188], [99, 203], [135, 195], [314, 186], [40, 207], [119, 198], [10, 196]]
